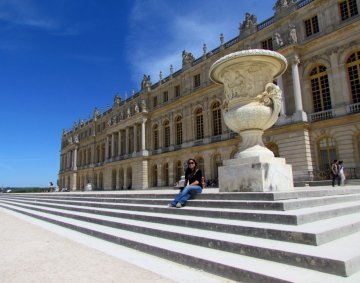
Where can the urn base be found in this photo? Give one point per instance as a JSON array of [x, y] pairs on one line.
[[255, 174]]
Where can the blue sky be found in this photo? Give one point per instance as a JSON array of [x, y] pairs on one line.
[[61, 59]]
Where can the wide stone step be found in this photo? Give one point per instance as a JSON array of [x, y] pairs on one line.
[[292, 217], [314, 233], [230, 204], [233, 266], [209, 194]]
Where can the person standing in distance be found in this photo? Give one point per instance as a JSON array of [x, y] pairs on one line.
[[335, 173], [193, 185]]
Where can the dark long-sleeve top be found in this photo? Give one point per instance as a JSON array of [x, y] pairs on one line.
[[189, 176]]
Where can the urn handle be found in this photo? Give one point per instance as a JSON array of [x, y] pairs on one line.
[[272, 97]]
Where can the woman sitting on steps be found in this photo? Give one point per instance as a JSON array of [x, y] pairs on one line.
[[193, 185]]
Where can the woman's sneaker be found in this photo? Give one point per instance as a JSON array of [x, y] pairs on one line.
[[179, 205]]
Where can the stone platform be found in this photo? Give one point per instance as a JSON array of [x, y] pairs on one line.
[[303, 235]]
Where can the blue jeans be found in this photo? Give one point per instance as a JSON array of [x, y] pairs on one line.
[[186, 194]]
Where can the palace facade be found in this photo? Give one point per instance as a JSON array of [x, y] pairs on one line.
[[143, 142]]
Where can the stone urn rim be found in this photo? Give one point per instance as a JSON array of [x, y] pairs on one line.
[[262, 54]]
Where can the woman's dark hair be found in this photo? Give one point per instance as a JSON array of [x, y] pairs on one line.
[[191, 159]]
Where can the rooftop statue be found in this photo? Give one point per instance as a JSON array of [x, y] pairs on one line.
[[146, 82], [249, 23], [187, 58]]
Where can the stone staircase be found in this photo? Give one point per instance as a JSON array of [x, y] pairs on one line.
[[308, 235]]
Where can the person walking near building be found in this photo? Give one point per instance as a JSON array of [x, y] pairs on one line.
[[335, 172], [193, 185], [341, 173]]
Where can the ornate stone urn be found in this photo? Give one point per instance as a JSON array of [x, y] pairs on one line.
[[252, 104]]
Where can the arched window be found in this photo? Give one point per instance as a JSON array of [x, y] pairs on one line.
[[199, 124], [166, 134], [327, 152], [200, 162], [320, 89], [121, 178], [101, 184], [353, 67], [216, 119], [274, 148], [96, 181], [129, 178], [178, 130], [358, 145], [166, 174], [89, 156], [156, 136], [155, 173], [103, 152], [178, 170], [113, 179], [217, 163]]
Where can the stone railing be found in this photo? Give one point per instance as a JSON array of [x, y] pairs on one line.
[[323, 115], [353, 108], [303, 3], [265, 23]]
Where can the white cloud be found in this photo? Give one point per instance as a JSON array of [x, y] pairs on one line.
[[24, 13], [160, 31]]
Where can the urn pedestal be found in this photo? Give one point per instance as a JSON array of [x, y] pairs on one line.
[[252, 104]]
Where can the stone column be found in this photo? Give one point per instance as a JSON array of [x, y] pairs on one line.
[[299, 114], [127, 140], [112, 144], [75, 159], [107, 148], [143, 147], [280, 83], [296, 82], [119, 143], [135, 137]]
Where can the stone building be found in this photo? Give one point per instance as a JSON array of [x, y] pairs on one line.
[[144, 141]]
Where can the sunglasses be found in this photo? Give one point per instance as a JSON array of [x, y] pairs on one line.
[[191, 163]]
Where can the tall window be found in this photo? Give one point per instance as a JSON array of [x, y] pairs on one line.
[[311, 26], [131, 140], [327, 152], [353, 67], [179, 171], [199, 123], [216, 117], [165, 96], [217, 163], [200, 162], [358, 144], [197, 81], [155, 183], [156, 137], [267, 44], [348, 9], [320, 89], [155, 101], [166, 134], [166, 174], [177, 90], [178, 128]]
